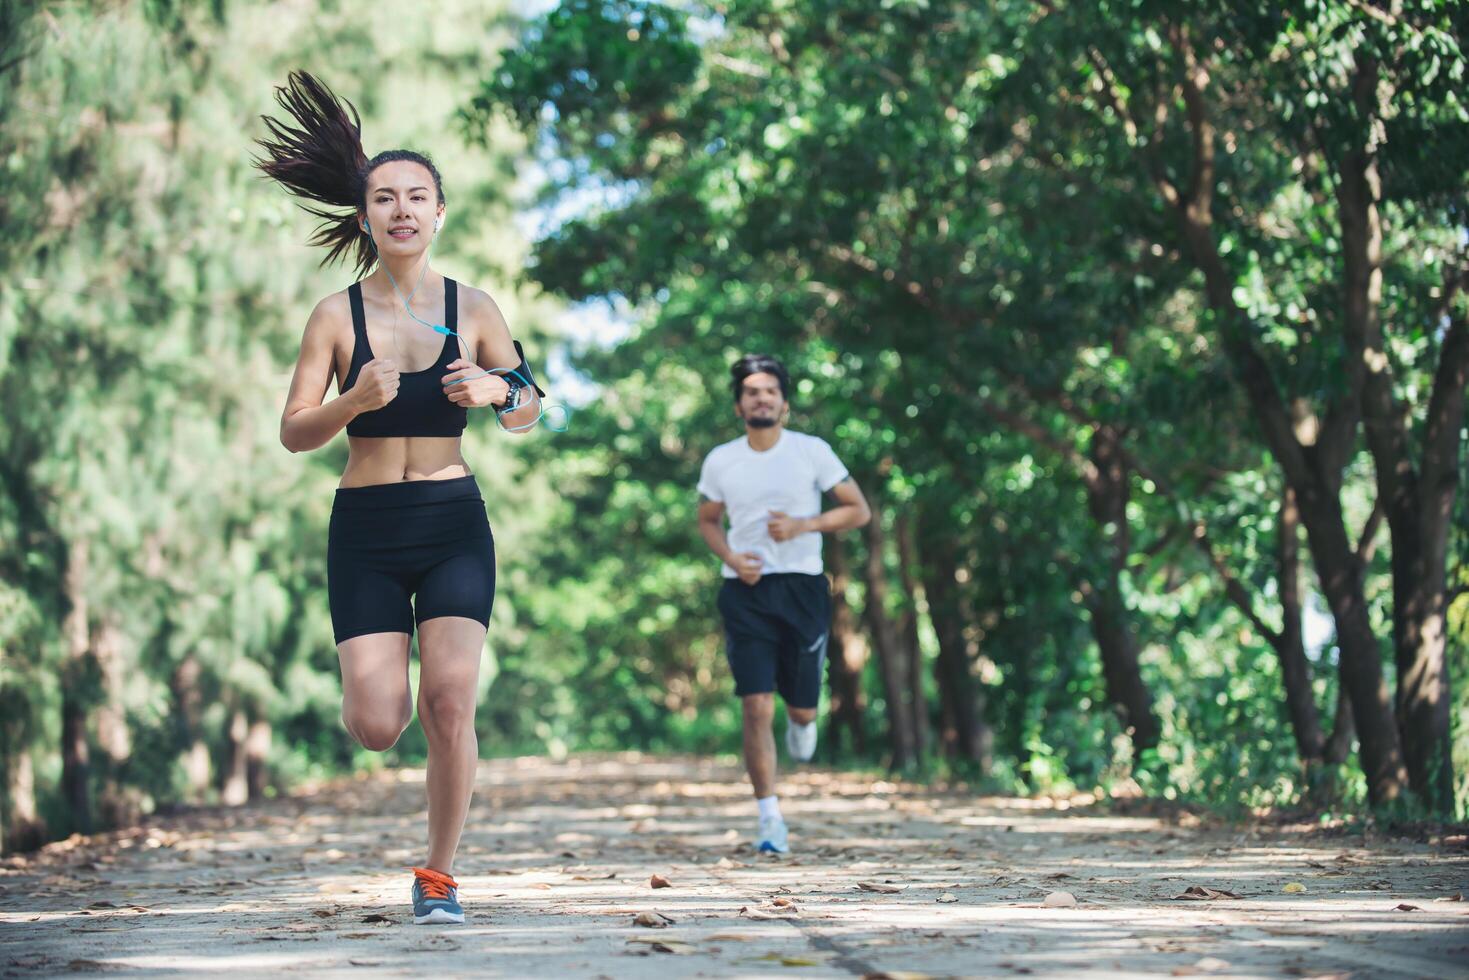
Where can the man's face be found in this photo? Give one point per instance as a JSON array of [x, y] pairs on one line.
[[761, 404]]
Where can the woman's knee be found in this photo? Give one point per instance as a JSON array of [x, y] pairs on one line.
[[376, 731], [446, 713]]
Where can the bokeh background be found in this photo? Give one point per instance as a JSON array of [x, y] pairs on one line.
[[1142, 324]]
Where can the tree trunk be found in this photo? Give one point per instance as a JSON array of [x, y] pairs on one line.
[[1314, 476], [908, 563], [965, 734], [257, 750], [118, 804], [1108, 489], [78, 680], [1418, 502], [188, 701], [846, 658], [24, 830], [888, 646], [1313, 465], [1295, 669], [1419, 517], [235, 789], [1343, 731]]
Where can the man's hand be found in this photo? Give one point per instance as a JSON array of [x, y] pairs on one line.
[[783, 527], [747, 566]]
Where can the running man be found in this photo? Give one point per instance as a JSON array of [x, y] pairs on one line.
[[775, 599]]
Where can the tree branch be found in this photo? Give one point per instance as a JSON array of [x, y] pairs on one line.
[[1200, 202], [1233, 588], [1367, 543], [1038, 433], [1446, 403]]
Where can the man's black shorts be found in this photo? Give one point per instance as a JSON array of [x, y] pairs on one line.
[[775, 635]]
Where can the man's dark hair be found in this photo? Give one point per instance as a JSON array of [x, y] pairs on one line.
[[759, 364]]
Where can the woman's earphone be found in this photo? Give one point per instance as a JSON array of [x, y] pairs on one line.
[[557, 418]]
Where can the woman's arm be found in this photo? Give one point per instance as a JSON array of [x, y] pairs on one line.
[[493, 349], [306, 423]]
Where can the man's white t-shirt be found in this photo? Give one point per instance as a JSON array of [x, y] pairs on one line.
[[789, 477]]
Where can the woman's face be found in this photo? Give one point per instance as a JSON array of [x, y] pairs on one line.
[[401, 207]]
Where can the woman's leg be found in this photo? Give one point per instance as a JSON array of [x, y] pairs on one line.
[[449, 651], [376, 701]]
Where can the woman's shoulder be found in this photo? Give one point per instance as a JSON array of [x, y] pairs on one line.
[[333, 308], [331, 317], [478, 306], [473, 297]]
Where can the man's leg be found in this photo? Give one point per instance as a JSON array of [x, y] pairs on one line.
[[759, 713], [805, 609], [751, 645]]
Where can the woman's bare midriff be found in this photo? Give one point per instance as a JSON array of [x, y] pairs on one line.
[[399, 459]]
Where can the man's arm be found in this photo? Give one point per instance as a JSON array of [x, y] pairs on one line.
[[851, 511], [711, 525]]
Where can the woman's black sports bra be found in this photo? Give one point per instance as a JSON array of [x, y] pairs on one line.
[[420, 408]]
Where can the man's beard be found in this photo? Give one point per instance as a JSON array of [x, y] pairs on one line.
[[761, 422]]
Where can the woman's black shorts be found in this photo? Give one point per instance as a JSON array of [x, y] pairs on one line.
[[400, 553]]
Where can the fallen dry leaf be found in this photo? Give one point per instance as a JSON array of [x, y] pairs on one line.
[[652, 920], [376, 917], [1201, 893], [658, 881], [871, 886], [810, 958], [665, 945], [1293, 888], [1405, 907], [750, 913]]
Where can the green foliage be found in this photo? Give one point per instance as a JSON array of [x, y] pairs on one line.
[[944, 217], [154, 535]]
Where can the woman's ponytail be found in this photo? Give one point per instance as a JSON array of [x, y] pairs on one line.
[[321, 159]]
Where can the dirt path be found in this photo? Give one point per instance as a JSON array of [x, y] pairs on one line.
[[557, 860]]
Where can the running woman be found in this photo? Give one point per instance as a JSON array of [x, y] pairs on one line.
[[775, 599], [409, 544]]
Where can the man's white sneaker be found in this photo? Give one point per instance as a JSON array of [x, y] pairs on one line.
[[801, 740], [772, 836]]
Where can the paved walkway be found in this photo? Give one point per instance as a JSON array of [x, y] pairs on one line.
[[885, 880]]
